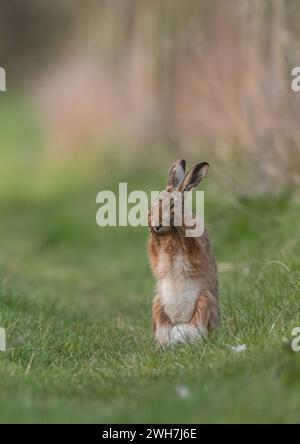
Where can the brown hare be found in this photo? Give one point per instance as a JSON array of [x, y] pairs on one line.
[[186, 305]]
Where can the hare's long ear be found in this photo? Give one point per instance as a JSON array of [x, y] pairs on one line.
[[194, 177], [176, 174]]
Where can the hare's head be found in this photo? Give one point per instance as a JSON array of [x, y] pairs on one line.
[[167, 208]]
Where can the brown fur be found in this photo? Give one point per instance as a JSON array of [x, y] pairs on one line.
[[199, 254], [196, 263], [159, 315], [206, 311]]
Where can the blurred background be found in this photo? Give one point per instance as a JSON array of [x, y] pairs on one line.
[[107, 91], [196, 79]]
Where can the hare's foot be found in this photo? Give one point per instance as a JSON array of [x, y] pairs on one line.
[[162, 334], [186, 333]]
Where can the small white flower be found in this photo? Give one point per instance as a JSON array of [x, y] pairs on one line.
[[238, 348], [285, 340], [182, 391]]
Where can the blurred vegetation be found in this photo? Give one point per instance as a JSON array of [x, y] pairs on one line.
[[200, 79], [75, 300], [103, 92]]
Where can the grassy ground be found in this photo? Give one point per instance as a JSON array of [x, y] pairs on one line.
[[75, 301]]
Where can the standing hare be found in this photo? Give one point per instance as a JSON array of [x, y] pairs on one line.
[[186, 305]]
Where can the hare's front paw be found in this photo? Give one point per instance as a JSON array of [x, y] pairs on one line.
[[185, 333]]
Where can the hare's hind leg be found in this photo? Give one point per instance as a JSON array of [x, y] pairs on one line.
[[183, 333], [166, 333], [161, 323], [206, 313]]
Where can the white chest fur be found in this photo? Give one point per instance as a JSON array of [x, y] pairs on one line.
[[178, 291]]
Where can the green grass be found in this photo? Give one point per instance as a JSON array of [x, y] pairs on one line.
[[75, 301]]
